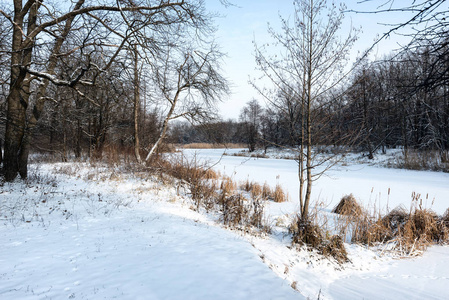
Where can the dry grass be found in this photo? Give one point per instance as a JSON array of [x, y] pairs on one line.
[[211, 146], [348, 206], [213, 192], [267, 193], [248, 154], [334, 247], [308, 233], [246, 185], [409, 232], [228, 187], [256, 191], [279, 194], [233, 209]]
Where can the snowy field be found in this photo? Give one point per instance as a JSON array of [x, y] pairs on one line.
[[102, 234]]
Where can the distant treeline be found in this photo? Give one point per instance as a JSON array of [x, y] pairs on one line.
[[398, 101]]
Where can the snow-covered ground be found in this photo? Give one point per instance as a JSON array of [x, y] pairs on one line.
[[120, 238], [102, 234]]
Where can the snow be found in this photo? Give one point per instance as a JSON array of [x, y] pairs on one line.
[[418, 278], [373, 186], [76, 231], [133, 244]]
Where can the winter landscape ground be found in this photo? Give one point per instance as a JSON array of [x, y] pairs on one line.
[[87, 231]]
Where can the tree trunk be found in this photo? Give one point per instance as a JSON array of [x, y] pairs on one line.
[[136, 107], [19, 92]]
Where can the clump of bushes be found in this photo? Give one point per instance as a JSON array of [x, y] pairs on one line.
[[408, 232], [213, 192], [306, 232]]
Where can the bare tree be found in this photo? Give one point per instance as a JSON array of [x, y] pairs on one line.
[[40, 39], [251, 117], [308, 65], [427, 28], [189, 82]]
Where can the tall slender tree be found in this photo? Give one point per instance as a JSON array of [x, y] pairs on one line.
[[308, 65]]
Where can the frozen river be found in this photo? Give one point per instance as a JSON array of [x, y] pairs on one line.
[[372, 186]]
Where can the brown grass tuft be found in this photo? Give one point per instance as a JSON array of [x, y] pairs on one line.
[[267, 193], [246, 185], [256, 191], [306, 232], [348, 206], [335, 248], [227, 186], [279, 194]]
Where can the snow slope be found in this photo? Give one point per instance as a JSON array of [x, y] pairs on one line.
[[68, 238], [369, 275]]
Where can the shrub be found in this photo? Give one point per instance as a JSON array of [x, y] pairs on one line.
[[334, 247], [308, 233], [233, 209]]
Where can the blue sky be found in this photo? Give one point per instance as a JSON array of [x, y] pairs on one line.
[[247, 21]]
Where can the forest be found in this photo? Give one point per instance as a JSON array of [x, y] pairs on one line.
[[83, 80]]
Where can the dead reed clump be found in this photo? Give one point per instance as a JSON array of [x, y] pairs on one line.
[[233, 210], [396, 218], [211, 174], [306, 232], [246, 185], [370, 230], [256, 191], [422, 228], [228, 186], [334, 247], [279, 194], [408, 231], [267, 193], [348, 206]]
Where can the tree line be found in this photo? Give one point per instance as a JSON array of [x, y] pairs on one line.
[[82, 75]]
